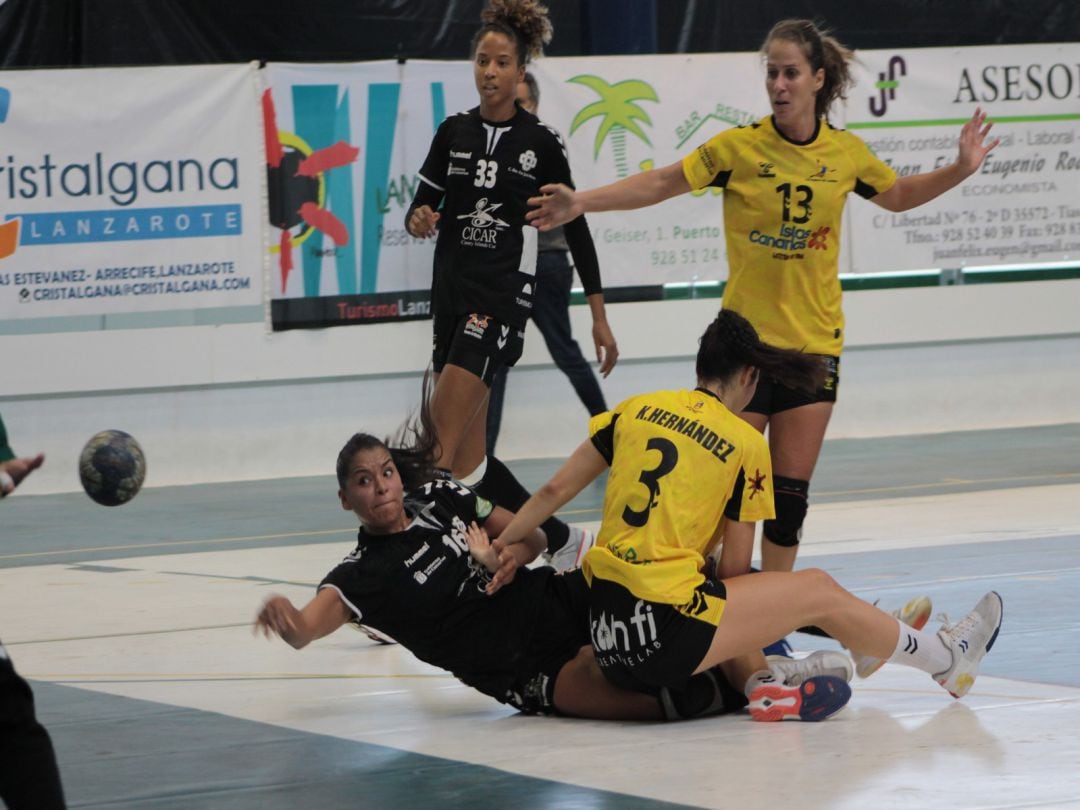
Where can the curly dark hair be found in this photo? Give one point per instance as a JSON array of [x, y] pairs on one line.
[[524, 21], [731, 343]]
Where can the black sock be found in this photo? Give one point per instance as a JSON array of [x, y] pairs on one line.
[[501, 487], [705, 694]]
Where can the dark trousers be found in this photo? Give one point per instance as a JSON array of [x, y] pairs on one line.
[[29, 778], [551, 314]]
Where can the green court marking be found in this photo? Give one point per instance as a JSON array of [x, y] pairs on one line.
[[948, 122]]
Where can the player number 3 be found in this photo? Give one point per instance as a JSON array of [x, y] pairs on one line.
[[669, 457]]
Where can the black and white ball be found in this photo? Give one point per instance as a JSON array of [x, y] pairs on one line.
[[112, 467]]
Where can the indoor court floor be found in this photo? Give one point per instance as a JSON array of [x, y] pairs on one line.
[[134, 626]]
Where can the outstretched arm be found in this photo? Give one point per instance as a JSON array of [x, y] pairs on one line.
[[560, 204], [915, 189], [321, 616]]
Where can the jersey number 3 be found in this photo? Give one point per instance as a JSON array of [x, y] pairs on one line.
[[669, 457], [485, 173]]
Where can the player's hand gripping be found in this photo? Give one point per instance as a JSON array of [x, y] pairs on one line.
[[480, 547]]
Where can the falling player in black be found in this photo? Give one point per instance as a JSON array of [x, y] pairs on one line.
[[416, 575], [482, 167]]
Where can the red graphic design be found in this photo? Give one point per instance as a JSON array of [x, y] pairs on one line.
[[757, 484], [818, 239], [294, 180]]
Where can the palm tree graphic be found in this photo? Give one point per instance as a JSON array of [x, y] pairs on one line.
[[618, 111]]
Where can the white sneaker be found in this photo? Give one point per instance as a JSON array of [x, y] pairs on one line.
[[793, 671], [570, 556], [915, 613], [969, 640]]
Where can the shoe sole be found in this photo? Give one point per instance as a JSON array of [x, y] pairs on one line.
[[921, 608], [815, 699]]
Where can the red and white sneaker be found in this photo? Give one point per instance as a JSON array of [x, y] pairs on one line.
[[816, 698]]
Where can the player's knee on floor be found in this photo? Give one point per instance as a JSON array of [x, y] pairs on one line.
[[790, 495]]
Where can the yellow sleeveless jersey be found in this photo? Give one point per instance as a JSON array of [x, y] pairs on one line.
[[680, 462], [782, 209]]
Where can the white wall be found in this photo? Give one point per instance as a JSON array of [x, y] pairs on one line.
[[233, 402]]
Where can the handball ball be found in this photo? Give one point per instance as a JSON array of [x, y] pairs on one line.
[[112, 467]]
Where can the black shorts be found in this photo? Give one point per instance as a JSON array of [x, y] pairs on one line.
[[773, 397], [642, 645], [480, 344], [562, 630]]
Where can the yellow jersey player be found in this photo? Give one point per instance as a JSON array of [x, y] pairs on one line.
[[785, 179], [685, 471]]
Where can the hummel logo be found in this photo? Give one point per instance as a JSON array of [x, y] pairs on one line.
[[505, 331], [912, 645], [963, 645]]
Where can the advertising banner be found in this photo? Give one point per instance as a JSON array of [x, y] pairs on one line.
[[621, 115], [130, 190], [344, 144], [1023, 205]]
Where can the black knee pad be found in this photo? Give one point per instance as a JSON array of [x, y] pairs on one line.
[[791, 501]]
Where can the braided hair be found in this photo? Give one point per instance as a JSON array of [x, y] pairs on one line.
[[731, 343], [524, 21], [412, 448], [821, 50]]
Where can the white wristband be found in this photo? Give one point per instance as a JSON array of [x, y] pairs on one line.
[[7, 483]]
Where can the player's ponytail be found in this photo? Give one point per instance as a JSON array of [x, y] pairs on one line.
[[731, 343]]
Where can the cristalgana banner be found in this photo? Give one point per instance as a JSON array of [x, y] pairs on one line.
[[130, 190], [1023, 206], [344, 144]]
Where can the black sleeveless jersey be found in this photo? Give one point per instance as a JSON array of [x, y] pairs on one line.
[[485, 257], [423, 589]]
